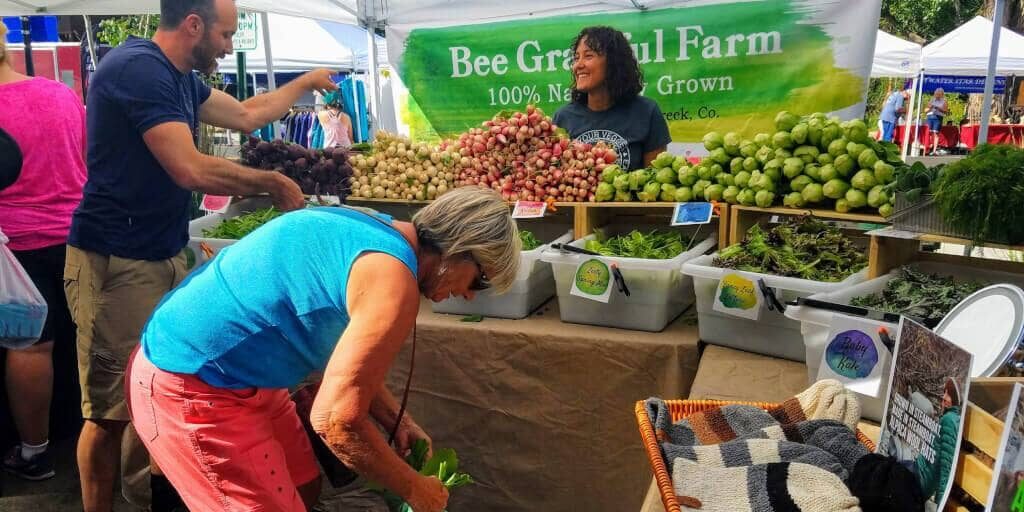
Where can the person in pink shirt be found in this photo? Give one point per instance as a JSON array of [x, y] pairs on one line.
[[47, 121]]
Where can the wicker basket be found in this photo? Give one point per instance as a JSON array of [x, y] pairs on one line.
[[681, 409]]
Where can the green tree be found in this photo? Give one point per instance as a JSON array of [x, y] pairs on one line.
[[115, 31], [923, 21]]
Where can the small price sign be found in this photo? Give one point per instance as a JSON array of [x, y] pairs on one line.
[[738, 295], [687, 214], [529, 209], [216, 204]]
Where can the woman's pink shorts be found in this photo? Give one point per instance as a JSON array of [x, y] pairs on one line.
[[222, 449]]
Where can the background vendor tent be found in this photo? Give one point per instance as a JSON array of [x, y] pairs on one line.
[[298, 45], [339, 11], [965, 51], [895, 57]]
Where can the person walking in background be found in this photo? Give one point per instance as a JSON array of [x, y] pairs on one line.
[[47, 121], [895, 106], [128, 235], [937, 111], [337, 125]]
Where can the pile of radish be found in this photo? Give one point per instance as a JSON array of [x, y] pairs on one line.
[[524, 156], [398, 168]]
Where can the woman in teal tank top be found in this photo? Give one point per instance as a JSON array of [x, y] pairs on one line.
[[328, 290]]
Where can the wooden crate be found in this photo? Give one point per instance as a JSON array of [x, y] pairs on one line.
[[742, 218], [583, 217], [886, 253], [982, 435]]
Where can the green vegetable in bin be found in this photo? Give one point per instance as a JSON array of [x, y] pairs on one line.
[[764, 198], [877, 196], [809, 154], [730, 194], [736, 165], [238, 227], [793, 200], [813, 172], [837, 148], [658, 245], [825, 159], [762, 139], [800, 182], [719, 156], [610, 173], [793, 167], [714, 192], [688, 176], [741, 179], [665, 175], [732, 143], [783, 140], [713, 141], [845, 164], [813, 193], [785, 121], [650, 192], [638, 178], [804, 248], [664, 159], [918, 294], [698, 188], [604, 192], [621, 182], [835, 188], [856, 198], [623, 196], [746, 197], [828, 173], [528, 239], [764, 154], [684, 194], [842, 205], [864, 180], [679, 162], [799, 133], [707, 172], [748, 148], [867, 159], [668, 192], [750, 163], [783, 153]]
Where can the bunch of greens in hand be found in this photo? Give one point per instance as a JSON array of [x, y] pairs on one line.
[[444, 465], [656, 245], [805, 248]]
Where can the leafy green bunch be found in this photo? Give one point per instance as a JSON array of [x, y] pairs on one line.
[[982, 194], [528, 239], [236, 228], [920, 295], [656, 245], [444, 465], [803, 247]]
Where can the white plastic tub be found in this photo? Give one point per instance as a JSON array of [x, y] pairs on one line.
[[773, 334], [533, 286], [815, 323], [658, 292], [195, 228]]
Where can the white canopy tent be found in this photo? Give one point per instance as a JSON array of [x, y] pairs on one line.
[[895, 57], [965, 51], [299, 44], [342, 11]]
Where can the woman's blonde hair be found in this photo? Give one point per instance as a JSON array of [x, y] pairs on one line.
[[3, 43], [475, 222]]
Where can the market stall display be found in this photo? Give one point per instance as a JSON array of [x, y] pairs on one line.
[[813, 161], [651, 292], [791, 264]]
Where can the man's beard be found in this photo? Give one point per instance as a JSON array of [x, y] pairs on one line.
[[204, 57]]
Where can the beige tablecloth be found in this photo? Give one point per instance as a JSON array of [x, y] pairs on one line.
[[541, 412]]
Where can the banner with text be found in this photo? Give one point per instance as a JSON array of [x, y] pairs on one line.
[[723, 66]]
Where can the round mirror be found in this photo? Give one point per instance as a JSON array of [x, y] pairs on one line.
[[987, 324]]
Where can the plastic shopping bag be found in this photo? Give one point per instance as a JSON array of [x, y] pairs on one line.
[[22, 308]]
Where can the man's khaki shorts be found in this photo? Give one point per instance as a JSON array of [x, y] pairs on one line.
[[111, 299]]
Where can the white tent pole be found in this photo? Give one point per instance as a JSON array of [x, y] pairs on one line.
[[269, 58], [906, 128], [990, 78], [372, 76], [917, 111], [89, 41]]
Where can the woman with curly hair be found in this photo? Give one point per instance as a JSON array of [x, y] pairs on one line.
[[606, 102]]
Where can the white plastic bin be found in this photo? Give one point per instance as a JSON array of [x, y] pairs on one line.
[[815, 323], [196, 227], [773, 334], [658, 292], [533, 286]]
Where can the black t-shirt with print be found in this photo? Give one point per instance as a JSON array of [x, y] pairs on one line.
[[632, 128]]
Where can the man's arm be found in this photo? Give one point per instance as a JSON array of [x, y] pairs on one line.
[[222, 110], [172, 145]]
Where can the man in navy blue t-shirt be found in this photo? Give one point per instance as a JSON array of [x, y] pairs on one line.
[[127, 236]]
